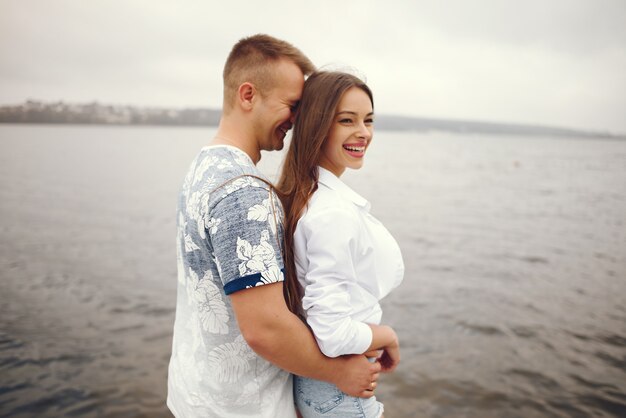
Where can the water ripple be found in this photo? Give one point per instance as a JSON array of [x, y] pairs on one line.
[[480, 329], [52, 404]]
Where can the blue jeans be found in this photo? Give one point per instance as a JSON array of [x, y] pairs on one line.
[[315, 399]]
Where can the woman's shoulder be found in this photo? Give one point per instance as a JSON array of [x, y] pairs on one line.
[[328, 202]]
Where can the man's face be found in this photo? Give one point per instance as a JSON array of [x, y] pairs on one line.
[[274, 110]]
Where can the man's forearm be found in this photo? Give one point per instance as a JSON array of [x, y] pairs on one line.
[[279, 336]]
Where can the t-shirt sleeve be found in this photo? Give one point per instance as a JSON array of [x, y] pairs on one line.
[[245, 240]]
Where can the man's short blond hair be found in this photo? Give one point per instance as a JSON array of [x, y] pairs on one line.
[[252, 59]]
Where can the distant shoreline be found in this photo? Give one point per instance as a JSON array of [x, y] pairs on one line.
[[35, 112]]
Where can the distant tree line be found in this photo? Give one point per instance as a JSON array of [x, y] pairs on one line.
[[96, 113]]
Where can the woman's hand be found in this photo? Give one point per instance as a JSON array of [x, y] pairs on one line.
[[390, 358], [373, 353], [385, 347]]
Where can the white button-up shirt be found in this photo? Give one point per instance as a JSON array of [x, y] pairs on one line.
[[346, 262]]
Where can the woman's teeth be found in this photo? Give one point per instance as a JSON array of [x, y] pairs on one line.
[[354, 148]]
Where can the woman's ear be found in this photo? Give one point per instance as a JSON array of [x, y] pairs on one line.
[[246, 95]]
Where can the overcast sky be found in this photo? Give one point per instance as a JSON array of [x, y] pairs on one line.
[[549, 62]]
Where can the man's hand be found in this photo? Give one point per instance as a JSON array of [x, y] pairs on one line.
[[357, 376], [273, 332]]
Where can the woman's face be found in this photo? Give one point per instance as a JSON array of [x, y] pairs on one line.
[[350, 133]]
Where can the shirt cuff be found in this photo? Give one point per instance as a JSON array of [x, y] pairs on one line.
[[363, 337], [357, 342], [252, 280]]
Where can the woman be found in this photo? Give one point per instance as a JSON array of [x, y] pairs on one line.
[[340, 260]]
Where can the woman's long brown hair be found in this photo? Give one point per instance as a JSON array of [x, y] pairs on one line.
[[298, 180]]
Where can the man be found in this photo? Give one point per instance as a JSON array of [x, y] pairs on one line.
[[235, 341]]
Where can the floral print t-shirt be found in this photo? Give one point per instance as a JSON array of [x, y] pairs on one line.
[[229, 239]]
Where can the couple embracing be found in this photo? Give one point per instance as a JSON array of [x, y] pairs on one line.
[[279, 286]]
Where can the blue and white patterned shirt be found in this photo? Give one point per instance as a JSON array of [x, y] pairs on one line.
[[229, 238]]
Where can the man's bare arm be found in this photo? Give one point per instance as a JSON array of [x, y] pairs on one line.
[[280, 337]]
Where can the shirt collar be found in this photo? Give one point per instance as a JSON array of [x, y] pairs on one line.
[[333, 182], [233, 149]]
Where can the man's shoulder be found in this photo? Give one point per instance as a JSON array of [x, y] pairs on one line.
[[228, 162], [221, 170]]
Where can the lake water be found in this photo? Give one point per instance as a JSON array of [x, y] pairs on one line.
[[513, 303]]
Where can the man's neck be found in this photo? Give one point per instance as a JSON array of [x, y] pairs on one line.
[[237, 139]]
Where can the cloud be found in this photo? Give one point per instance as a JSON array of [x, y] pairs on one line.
[[558, 62]]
